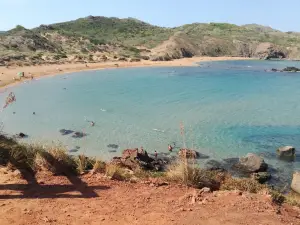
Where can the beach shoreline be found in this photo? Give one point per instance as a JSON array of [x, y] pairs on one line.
[[7, 75]]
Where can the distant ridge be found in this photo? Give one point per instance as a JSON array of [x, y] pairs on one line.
[[98, 38]]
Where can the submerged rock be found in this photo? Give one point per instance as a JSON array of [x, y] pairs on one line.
[[65, 132], [286, 152], [296, 182], [113, 146], [252, 163], [188, 153], [214, 165], [261, 177], [78, 134], [73, 150]]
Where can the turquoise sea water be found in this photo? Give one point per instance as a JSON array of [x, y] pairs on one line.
[[228, 109]]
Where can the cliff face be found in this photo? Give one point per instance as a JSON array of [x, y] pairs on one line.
[[182, 46], [98, 38]]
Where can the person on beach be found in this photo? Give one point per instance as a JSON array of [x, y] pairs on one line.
[[155, 154], [142, 150], [170, 148]]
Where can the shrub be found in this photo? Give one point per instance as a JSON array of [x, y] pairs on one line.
[[292, 199], [243, 184], [56, 160], [23, 157], [277, 197], [194, 176], [116, 172], [99, 166]]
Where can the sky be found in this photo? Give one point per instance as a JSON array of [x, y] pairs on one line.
[[280, 14]]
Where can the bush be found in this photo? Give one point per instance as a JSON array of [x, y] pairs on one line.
[[193, 176], [116, 172], [60, 56], [243, 184], [99, 166], [277, 197], [56, 160], [97, 42]]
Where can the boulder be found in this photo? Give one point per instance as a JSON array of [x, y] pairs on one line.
[[296, 182], [252, 163], [286, 152], [132, 153], [132, 159], [214, 165], [188, 153], [261, 177]]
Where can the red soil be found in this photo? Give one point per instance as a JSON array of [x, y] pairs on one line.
[[62, 200]]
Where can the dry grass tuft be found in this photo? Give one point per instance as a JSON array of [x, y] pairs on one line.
[[116, 172], [99, 166], [242, 184], [193, 176]]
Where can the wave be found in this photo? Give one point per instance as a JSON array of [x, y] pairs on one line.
[[158, 130]]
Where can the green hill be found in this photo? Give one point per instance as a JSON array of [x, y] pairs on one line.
[[101, 38]]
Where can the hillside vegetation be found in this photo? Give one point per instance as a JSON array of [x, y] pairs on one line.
[[94, 39]]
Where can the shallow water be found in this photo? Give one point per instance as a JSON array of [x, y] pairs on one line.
[[228, 109]]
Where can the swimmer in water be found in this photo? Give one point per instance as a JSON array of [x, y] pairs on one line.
[[155, 154], [33, 113], [170, 148], [92, 123]]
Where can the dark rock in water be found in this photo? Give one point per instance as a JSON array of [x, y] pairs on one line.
[[77, 147], [21, 135], [291, 69], [113, 146], [112, 150], [252, 163], [214, 165], [286, 153], [78, 135], [261, 177], [66, 132], [191, 154], [73, 150]]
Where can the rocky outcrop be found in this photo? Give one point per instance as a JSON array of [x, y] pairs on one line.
[[296, 182], [252, 163], [178, 46], [133, 159], [286, 152], [268, 50], [188, 153], [290, 69]]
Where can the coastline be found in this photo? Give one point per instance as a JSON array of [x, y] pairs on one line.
[[7, 74]]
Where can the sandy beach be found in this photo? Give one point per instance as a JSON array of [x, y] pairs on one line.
[[7, 75]]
